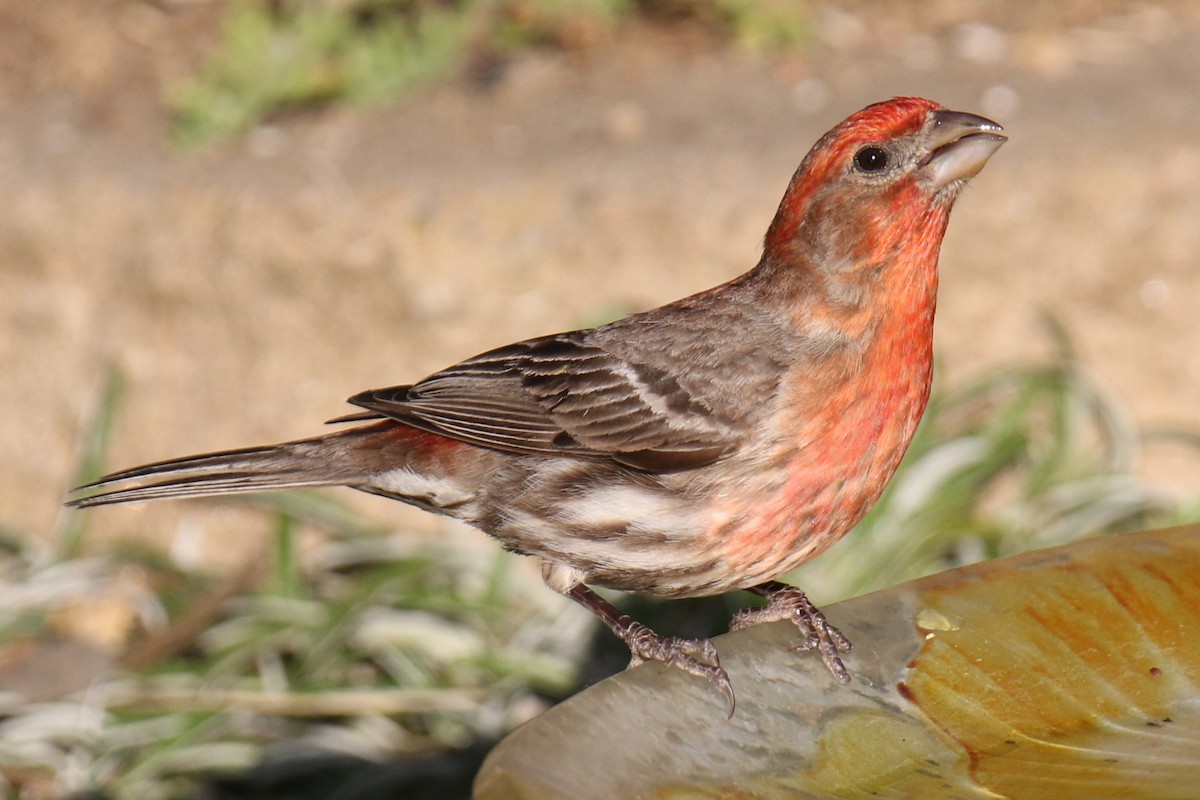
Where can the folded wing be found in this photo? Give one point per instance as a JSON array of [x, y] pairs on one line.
[[562, 395]]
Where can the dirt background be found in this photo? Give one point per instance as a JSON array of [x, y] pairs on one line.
[[247, 289]]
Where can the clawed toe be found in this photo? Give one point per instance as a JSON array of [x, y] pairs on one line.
[[694, 656], [789, 603], [829, 650]]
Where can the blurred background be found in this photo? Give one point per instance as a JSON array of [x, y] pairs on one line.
[[222, 218]]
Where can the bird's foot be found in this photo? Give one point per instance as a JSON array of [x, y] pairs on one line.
[[694, 656], [789, 603]]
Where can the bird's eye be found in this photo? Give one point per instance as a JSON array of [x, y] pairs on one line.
[[871, 159]]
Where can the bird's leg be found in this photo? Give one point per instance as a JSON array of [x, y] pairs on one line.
[[789, 603], [695, 656]]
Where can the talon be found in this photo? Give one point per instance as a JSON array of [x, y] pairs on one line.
[[646, 645], [694, 656], [789, 603]]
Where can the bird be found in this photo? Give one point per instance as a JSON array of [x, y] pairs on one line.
[[708, 445]]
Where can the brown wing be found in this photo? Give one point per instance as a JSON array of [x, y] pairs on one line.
[[562, 395]]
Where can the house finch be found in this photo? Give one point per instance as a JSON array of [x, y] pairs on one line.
[[711, 444]]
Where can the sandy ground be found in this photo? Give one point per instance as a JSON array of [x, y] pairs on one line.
[[248, 289]]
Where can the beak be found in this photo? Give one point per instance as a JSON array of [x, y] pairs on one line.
[[959, 145]]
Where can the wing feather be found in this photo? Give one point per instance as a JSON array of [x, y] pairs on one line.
[[562, 395]]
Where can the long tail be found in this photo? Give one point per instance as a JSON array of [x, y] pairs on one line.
[[332, 460]]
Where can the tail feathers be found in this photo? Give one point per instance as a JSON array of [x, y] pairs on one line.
[[323, 461]]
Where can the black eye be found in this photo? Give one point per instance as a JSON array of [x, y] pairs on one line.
[[871, 159]]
